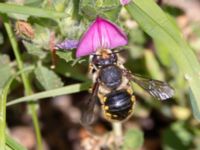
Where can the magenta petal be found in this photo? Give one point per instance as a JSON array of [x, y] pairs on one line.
[[125, 2], [101, 34]]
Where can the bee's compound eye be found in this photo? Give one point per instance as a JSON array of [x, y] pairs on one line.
[[94, 59], [114, 57]]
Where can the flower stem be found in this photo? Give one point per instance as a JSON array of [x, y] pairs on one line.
[[25, 80], [117, 129], [75, 13]]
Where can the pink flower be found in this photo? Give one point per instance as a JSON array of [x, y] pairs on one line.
[[125, 2], [101, 34]]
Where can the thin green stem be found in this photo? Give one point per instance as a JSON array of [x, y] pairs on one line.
[[75, 14], [33, 110], [3, 118], [26, 82], [3, 99]]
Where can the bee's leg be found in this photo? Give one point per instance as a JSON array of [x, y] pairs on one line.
[[102, 98], [95, 88], [92, 68], [127, 73]]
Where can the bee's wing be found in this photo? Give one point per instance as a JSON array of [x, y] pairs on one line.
[[158, 89], [88, 113]]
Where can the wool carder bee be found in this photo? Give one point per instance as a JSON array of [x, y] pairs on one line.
[[112, 87]]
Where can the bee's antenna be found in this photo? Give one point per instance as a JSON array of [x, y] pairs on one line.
[[119, 51], [114, 51]]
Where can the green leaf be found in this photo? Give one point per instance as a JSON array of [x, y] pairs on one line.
[[30, 11], [193, 103], [162, 51], [157, 24], [109, 9], [42, 36], [89, 12], [59, 5], [70, 89], [5, 69], [163, 54], [68, 70], [34, 50], [133, 140], [177, 137], [88, 2], [35, 3], [67, 56], [153, 66], [88, 9], [108, 3], [111, 13], [47, 78], [70, 28], [13, 145]]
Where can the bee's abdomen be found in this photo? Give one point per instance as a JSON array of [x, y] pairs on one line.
[[111, 76], [119, 104]]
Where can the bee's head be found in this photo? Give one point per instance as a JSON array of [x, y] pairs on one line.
[[104, 57]]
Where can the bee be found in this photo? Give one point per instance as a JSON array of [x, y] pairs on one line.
[[112, 87]]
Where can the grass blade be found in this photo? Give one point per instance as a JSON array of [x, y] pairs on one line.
[[52, 93], [157, 24], [26, 10], [3, 99], [13, 145], [27, 85]]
